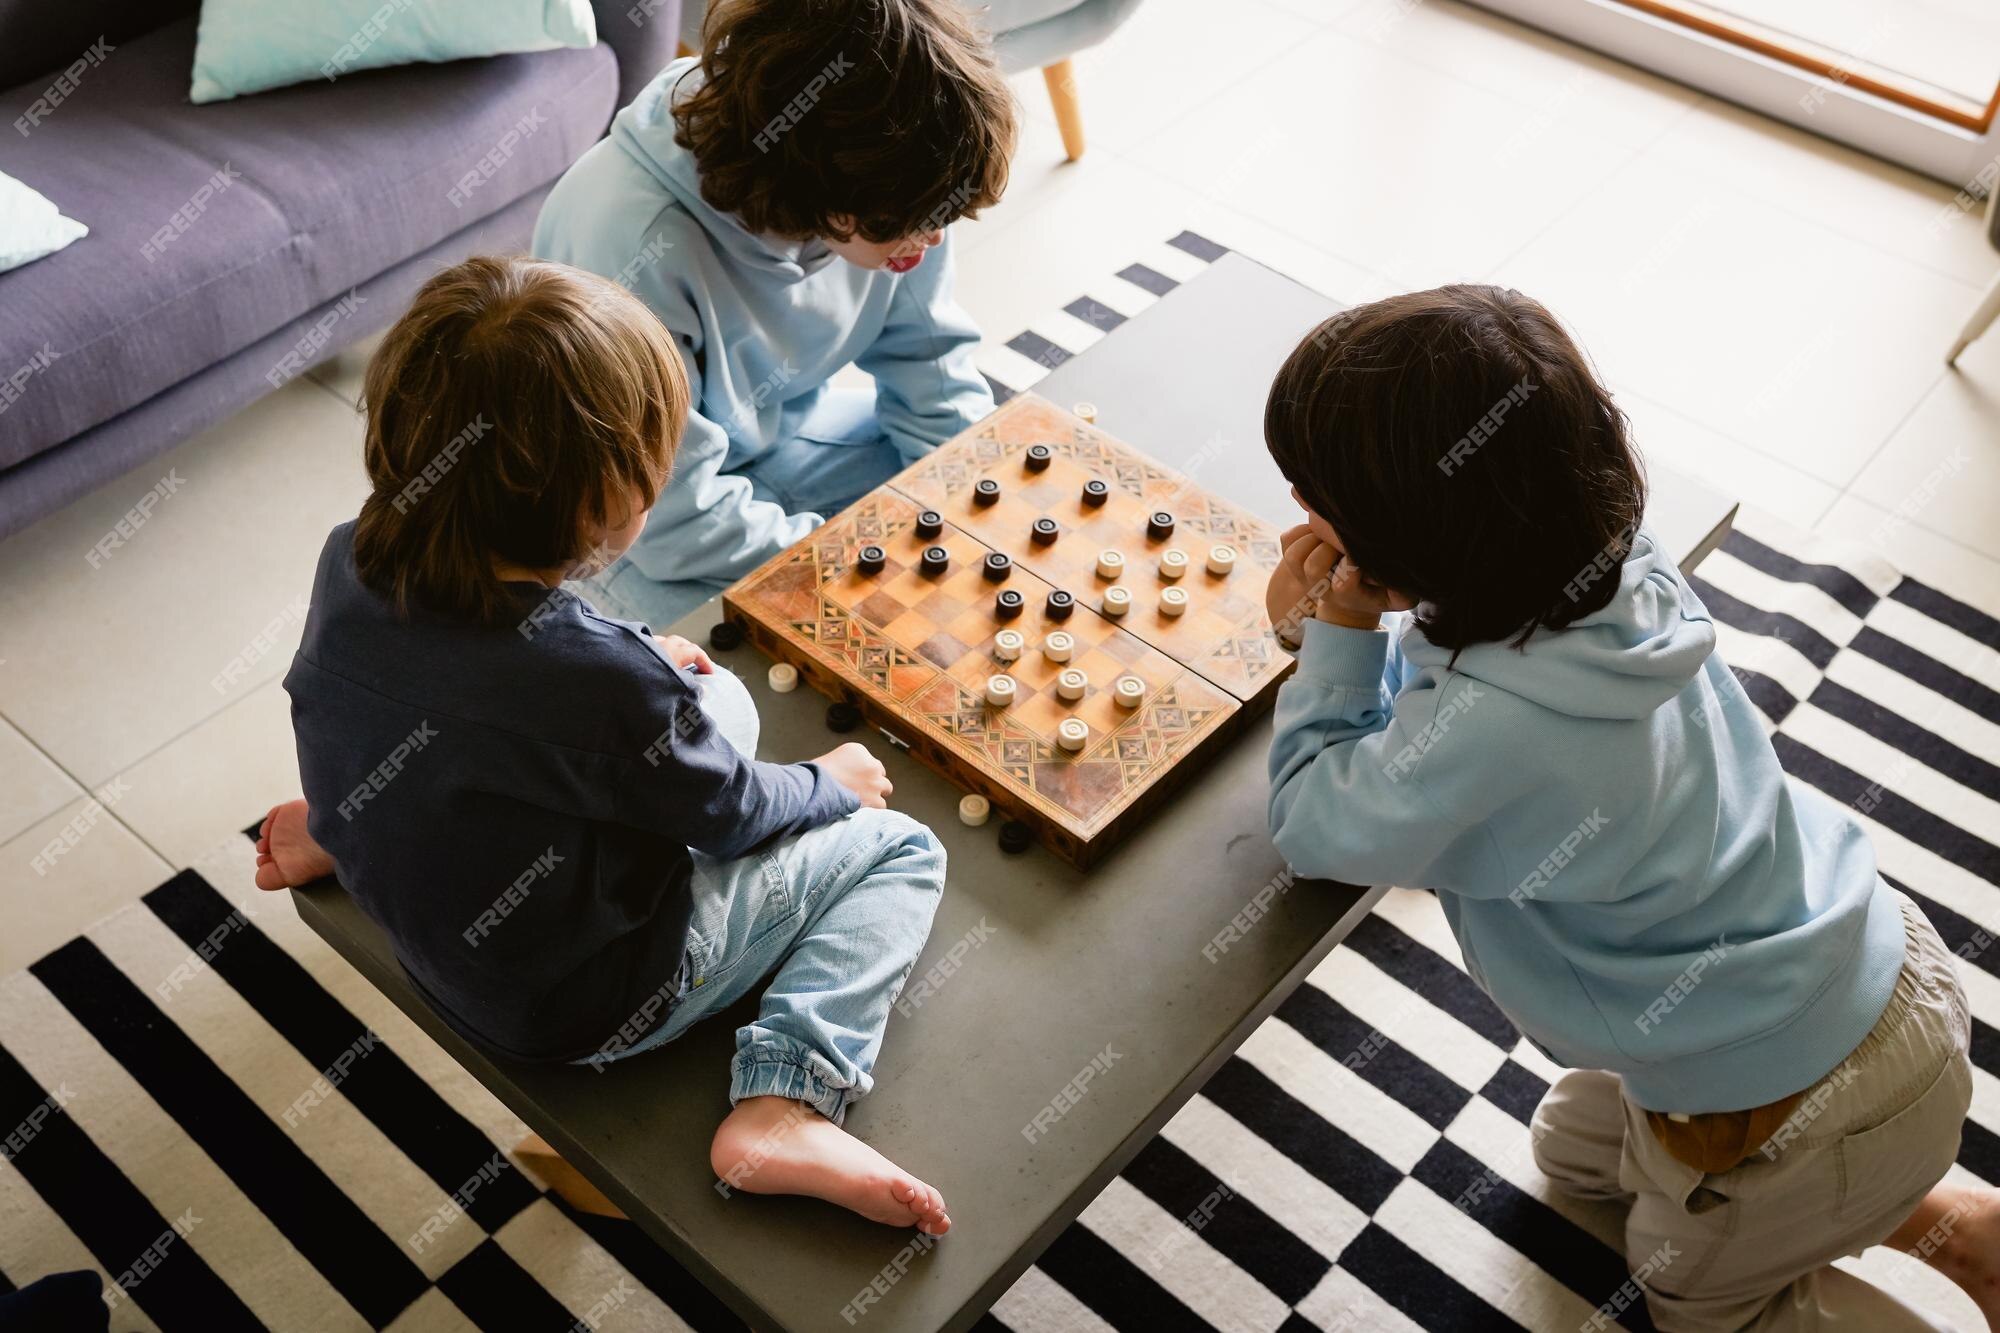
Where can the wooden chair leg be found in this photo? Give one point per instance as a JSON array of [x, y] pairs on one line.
[[546, 1165], [1061, 79]]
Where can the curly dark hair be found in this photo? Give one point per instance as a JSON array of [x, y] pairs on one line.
[[835, 118], [1462, 448]]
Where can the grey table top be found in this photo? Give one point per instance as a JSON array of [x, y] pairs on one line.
[[1055, 969]]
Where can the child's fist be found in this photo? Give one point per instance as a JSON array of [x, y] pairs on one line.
[[1289, 598], [1351, 598], [860, 772], [684, 654]]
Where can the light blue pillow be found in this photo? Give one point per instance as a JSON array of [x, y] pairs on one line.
[[246, 46], [31, 226]]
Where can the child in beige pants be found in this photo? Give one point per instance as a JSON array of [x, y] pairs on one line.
[[1508, 692], [1740, 1214]]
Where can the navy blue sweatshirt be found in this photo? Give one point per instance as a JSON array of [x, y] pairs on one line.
[[514, 804]]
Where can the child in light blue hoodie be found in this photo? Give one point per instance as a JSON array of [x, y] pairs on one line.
[[1507, 692], [781, 204]]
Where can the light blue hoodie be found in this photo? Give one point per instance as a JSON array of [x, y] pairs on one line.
[[762, 323], [1629, 873]]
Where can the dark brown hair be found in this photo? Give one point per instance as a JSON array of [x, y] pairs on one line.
[[1462, 448], [834, 118], [516, 407]]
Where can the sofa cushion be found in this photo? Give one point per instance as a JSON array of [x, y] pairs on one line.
[[211, 226]]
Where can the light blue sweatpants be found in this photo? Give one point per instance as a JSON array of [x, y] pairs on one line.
[[834, 918]]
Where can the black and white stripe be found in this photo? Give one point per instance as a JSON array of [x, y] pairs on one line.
[[1362, 1162]]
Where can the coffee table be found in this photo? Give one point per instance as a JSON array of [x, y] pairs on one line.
[[1071, 1014]]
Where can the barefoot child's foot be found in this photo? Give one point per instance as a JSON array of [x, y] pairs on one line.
[[773, 1145], [287, 856]]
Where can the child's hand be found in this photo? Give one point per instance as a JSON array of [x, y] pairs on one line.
[[1350, 597], [1289, 597], [684, 654], [860, 772], [1316, 581]]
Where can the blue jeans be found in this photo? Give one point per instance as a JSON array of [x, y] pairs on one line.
[[834, 917], [836, 455]]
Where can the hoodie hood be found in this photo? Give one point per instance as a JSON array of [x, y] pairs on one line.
[[1622, 661], [645, 130]]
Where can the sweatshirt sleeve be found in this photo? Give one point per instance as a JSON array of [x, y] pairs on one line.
[[692, 785], [706, 525], [926, 386], [1345, 801]]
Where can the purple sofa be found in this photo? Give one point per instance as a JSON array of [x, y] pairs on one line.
[[234, 245]]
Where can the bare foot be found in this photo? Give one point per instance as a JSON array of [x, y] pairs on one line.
[[287, 856], [774, 1145], [1956, 1230]]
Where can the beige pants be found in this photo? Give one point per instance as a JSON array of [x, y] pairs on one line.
[[1749, 1248]]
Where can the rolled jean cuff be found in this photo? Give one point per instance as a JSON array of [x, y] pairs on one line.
[[767, 1071]]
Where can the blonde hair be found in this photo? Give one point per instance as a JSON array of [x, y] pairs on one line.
[[516, 407]]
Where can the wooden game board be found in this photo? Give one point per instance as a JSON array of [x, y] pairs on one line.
[[914, 651]]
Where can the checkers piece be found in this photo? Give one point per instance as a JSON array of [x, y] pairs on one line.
[[1045, 532], [727, 634], [842, 716], [1060, 605], [1072, 684], [1008, 604], [1086, 410], [1173, 563], [1058, 646], [997, 567], [1008, 644], [1159, 526], [1072, 733], [1001, 690], [870, 559], [986, 491], [1221, 559], [1117, 601], [929, 524], [974, 810], [1110, 563], [1095, 493], [1016, 837], [1130, 691], [936, 561], [1173, 601], [1038, 457], [783, 677]]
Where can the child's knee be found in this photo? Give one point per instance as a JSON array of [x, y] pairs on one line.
[[905, 846]]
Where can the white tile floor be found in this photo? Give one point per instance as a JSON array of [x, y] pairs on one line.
[[1772, 310]]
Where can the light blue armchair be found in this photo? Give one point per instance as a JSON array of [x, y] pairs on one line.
[[1027, 34]]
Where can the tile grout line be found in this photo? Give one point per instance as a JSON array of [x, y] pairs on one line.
[[1216, 94], [1889, 438], [1631, 160], [112, 810], [89, 793]]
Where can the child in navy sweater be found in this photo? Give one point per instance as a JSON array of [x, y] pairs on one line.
[[557, 817]]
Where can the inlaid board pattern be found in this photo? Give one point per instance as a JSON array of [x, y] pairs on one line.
[[914, 649]]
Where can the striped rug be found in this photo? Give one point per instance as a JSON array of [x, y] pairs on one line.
[[185, 1099]]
